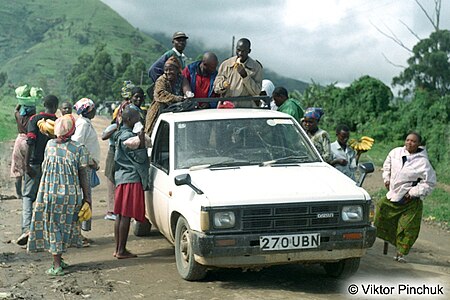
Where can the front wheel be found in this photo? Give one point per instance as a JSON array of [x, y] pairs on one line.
[[343, 268], [187, 267]]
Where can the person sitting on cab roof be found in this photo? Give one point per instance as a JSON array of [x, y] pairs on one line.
[[169, 88], [240, 75]]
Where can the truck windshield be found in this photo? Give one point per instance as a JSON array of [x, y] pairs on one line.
[[241, 142]]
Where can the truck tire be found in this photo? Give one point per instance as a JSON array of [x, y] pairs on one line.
[[343, 268], [187, 267], [142, 228]]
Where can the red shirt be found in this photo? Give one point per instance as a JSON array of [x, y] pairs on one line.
[[202, 84]]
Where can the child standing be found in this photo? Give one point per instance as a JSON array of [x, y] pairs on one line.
[[131, 177]]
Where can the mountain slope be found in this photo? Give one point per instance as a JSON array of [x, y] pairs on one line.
[[40, 40]]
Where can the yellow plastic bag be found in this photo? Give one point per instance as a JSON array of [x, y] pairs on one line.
[[85, 213]]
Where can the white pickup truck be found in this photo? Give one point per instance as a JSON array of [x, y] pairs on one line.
[[245, 188]]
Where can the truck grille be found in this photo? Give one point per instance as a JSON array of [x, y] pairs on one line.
[[289, 217]]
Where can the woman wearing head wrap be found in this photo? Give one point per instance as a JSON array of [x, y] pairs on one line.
[[267, 89], [319, 137], [62, 192], [169, 88], [85, 134]]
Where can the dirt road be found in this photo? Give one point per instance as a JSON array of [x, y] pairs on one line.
[[96, 274]]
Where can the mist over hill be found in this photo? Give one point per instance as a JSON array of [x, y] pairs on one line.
[[41, 40]]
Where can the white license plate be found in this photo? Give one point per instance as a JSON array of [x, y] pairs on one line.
[[293, 241]]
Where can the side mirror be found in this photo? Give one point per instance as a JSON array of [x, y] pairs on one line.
[[365, 168], [185, 179]]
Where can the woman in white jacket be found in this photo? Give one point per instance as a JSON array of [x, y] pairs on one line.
[[409, 177], [85, 134]]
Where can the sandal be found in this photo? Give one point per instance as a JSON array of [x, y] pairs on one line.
[[401, 259], [63, 264], [55, 272], [85, 242]]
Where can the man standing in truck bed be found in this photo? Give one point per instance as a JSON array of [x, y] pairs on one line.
[[179, 41], [240, 75]]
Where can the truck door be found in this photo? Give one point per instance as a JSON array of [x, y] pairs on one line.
[[159, 174]]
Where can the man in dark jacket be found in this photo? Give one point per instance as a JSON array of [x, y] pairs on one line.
[[179, 41], [201, 76]]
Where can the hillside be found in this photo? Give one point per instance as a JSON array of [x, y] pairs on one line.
[[40, 40]]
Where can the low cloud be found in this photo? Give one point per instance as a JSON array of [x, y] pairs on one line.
[[342, 46]]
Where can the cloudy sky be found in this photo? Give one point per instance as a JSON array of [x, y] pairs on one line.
[[325, 41]]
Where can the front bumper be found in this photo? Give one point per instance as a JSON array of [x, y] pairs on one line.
[[243, 250]]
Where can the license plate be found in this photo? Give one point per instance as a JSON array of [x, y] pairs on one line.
[[286, 242]]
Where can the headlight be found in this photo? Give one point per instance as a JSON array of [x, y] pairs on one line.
[[353, 213], [224, 219]]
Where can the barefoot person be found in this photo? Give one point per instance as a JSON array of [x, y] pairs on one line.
[[131, 176], [409, 177], [54, 225]]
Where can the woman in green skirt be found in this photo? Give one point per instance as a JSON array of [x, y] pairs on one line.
[[409, 177]]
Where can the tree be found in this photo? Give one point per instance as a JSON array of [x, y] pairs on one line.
[[360, 103], [364, 100], [92, 76], [96, 77], [429, 67]]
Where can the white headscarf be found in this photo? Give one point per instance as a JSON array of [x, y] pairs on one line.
[[268, 87]]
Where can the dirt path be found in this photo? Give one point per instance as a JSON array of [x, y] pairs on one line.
[[95, 274]]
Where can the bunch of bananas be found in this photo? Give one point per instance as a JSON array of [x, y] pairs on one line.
[[361, 145], [85, 212], [47, 127]]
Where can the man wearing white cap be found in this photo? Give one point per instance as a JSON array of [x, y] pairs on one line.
[[179, 41]]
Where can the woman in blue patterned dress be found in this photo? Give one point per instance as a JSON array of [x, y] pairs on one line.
[[54, 225]]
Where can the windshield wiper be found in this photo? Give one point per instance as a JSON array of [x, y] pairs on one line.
[[229, 163], [222, 164], [285, 160]]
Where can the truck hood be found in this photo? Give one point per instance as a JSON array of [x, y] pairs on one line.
[[275, 184]]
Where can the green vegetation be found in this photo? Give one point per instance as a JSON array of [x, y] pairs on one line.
[[50, 44], [84, 49], [8, 128], [42, 47], [435, 206], [429, 67]]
